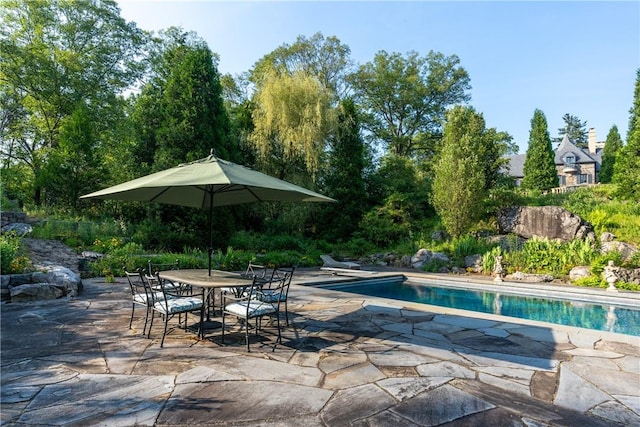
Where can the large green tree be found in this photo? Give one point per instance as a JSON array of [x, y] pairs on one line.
[[459, 180], [54, 55], [405, 98], [539, 165], [575, 129], [345, 176], [626, 172], [611, 147], [180, 114]]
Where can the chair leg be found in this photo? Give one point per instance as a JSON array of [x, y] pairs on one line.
[[246, 335], [153, 315], [133, 308], [166, 322], [223, 316], [146, 319]]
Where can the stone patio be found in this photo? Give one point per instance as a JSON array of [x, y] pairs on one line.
[[344, 360]]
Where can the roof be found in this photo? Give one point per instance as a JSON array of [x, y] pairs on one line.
[[567, 147], [515, 167]]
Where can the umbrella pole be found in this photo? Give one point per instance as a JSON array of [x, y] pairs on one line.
[[210, 229]]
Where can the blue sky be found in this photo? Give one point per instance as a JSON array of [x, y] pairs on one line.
[[561, 57]]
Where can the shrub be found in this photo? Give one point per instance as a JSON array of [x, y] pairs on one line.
[[9, 247]]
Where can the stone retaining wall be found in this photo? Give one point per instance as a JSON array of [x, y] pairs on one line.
[[12, 217]]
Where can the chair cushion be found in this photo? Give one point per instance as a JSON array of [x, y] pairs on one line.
[[271, 295], [179, 305], [256, 308], [143, 299]]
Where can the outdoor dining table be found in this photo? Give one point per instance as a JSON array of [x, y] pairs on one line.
[[200, 277]]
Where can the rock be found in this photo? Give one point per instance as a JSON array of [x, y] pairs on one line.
[[406, 261], [519, 276], [552, 222], [607, 237], [474, 263], [21, 229], [35, 292], [627, 250], [579, 272], [439, 235], [423, 256], [63, 278], [91, 255], [458, 270]]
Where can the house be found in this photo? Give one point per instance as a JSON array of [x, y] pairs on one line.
[[575, 166]]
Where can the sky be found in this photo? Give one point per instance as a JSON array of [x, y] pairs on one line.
[[575, 57]]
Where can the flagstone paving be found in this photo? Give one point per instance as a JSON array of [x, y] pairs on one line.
[[344, 360]]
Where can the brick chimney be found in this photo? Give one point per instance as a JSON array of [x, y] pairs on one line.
[[592, 140]]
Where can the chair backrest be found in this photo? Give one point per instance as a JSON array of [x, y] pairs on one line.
[[279, 283], [155, 268], [255, 270], [138, 286]]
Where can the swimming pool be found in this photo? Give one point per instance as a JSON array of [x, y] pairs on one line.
[[604, 317]]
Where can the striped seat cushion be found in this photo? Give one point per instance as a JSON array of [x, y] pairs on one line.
[[143, 299]]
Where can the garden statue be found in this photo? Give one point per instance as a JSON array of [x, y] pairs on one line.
[[610, 277], [497, 269]]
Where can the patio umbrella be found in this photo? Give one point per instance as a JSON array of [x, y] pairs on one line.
[[208, 183]]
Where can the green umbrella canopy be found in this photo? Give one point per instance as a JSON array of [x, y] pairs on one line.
[[208, 183], [199, 183]]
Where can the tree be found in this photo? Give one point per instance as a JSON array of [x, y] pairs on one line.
[[326, 59], [345, 174], [75, 167], [459, 181], [180, 113], [611, 147], [626, 172], [575, 129], [539, 165], [55, 55], [405, 98], [291, 119]]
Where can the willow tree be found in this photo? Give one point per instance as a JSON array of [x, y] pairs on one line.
[[291, 120], [459, 181]]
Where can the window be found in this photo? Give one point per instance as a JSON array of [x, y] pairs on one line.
[[585, 178], [570, 160], [562, 180]]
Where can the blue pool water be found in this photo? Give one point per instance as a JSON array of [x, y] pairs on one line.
[[624, 320]]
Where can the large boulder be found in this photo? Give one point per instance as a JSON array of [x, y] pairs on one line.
[[35, 292], [552, 222], [424, 256], [627, 250], [62, 277]]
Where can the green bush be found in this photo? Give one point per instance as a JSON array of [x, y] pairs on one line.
[[9, 247], [549, 256]]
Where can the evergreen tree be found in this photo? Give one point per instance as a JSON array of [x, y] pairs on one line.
[[575, 129], [345, 176], [458, 183], [626, 171], [611, 147], [539, 166]]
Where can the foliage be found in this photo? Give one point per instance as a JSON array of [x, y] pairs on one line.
[[345, 176], [179, 115], [489, 259], [291, 119], [56, 55], [405, 98], [539, 166], [386, 225], [79, 233], [540, 256], [459, 181], [626, 173], [612, 146], [9, 248], [325, 58], [575, 129]]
